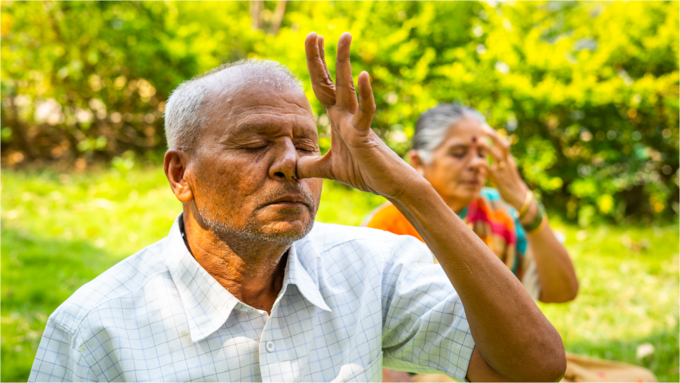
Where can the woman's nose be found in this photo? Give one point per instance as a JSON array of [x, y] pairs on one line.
[[476, 160]]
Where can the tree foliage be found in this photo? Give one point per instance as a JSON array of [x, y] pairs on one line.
[[587, 92]]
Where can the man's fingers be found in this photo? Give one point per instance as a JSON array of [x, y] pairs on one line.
[[314, 166], [323, 86], [314, 58], [364, 115], [322, 51], [346, 95]]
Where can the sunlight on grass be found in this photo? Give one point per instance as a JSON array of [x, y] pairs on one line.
[[59, 231]]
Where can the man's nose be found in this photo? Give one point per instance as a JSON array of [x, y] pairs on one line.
[[285, 163]]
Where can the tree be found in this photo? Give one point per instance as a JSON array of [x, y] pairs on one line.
[[588, 92]]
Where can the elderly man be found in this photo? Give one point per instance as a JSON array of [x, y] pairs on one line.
[[244, 288]]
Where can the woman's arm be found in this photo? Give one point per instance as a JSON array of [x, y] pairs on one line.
[[553, 264], [555, 269]]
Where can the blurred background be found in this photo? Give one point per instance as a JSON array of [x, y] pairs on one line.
[[586, 91]]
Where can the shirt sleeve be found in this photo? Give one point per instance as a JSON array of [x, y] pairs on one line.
[[425, 329], [57, 360]]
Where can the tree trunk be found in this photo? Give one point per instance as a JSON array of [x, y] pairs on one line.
[[19, 130], [279, 12], [256, 7]]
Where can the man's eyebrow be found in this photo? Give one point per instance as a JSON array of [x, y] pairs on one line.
[[264, 127], [253, 126]]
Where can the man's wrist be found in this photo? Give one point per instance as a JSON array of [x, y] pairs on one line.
[[414, 192]]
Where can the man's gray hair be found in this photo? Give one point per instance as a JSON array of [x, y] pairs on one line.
[[434, 124], [183, 117]]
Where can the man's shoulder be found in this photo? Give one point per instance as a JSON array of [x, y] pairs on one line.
[[328, 238], [124, 278], [327, 235], [336, 255]]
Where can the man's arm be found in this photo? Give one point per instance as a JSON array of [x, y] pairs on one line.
[[514, 341]]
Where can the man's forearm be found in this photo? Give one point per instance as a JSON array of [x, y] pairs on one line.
[[511, 333]]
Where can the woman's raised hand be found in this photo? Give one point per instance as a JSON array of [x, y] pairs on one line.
[[357, 157], [503, 173]]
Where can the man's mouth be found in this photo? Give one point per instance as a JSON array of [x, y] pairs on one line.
[[290, 201]]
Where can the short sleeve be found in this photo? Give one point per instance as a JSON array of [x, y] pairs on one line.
[[425, 329], [57, 360]]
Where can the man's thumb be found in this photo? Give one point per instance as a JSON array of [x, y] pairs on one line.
[[314, 166]]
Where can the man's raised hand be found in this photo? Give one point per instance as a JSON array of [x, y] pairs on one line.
[[357, 157]]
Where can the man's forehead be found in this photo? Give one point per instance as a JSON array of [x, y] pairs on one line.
[[248, 98], [258, 109]]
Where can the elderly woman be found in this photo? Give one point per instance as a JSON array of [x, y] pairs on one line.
[[450, 149]]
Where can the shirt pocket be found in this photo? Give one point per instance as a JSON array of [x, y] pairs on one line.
[[372, 373]]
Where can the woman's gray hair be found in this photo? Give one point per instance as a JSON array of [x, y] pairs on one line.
[[183, 117], [434, 124]]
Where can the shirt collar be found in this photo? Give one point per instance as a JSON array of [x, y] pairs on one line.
[[298, 275], [207, 303]]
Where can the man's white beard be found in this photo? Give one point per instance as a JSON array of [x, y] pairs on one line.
[[252, 231]]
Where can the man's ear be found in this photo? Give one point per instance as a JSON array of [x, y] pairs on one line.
[[175, 165], [416, 161]]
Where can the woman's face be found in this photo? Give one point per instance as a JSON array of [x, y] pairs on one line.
[[456, 170]]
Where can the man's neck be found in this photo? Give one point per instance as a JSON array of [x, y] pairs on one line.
[[253, 272]]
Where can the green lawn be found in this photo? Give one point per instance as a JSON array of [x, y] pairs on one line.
[[61, 230]]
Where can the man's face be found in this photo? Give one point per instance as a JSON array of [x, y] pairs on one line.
[[244, 165]]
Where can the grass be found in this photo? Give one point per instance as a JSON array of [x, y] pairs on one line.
[[61, 230]]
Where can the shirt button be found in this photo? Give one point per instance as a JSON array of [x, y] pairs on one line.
[[270, 346]]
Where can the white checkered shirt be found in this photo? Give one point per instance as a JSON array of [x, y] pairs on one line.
[[352, 300]]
